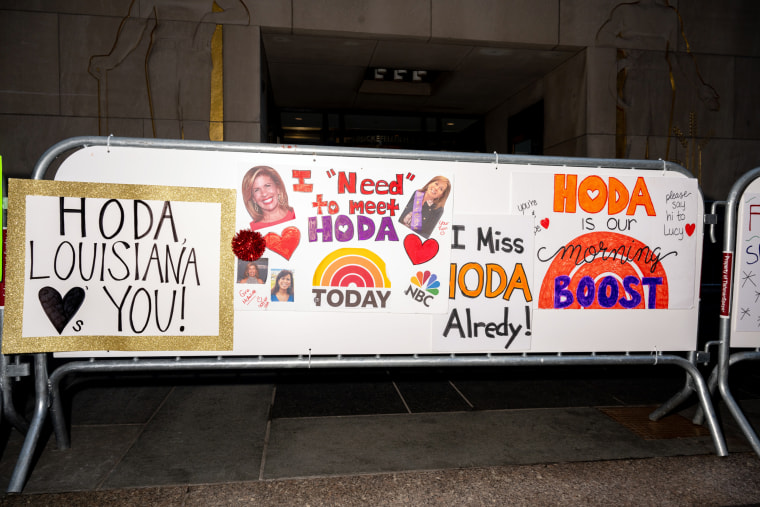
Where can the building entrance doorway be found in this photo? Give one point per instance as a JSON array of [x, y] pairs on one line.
[[410, 131]]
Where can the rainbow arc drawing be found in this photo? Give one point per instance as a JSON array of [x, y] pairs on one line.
[[352, 267]]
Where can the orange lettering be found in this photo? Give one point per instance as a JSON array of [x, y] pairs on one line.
[[519, 280], [592, 194], [469, 292], [641, 197], [490, 269], [564, 192], [618, 197]]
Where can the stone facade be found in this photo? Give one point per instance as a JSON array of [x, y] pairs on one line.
[[646, 79]]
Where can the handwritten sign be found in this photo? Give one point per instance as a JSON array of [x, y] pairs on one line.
[[490, 295], [123, 267], [746, 283], [611, 241]]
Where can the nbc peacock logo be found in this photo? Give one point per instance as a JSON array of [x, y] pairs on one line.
[[425, 286]]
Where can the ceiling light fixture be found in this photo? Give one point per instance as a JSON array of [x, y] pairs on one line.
[[384, 80]]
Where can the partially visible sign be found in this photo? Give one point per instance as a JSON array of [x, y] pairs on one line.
[[746, 273], [118, 267]]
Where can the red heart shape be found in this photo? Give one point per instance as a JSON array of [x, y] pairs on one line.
[[286, 244], [690, 228], [545, 223], [418, 251]]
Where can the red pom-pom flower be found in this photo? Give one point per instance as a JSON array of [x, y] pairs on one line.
[[248, 245]]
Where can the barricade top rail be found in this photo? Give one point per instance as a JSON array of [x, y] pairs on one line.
[[72, 143]]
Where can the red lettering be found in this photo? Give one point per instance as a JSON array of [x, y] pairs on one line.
[[346, 185]]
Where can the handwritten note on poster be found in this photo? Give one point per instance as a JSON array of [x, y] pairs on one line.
[[611, 241], [118, 267], [346, 239], [490, 295]]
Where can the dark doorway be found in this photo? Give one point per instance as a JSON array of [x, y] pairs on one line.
[[526, 131], [433, 132]]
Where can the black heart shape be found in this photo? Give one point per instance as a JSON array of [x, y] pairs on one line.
[[61, 310]]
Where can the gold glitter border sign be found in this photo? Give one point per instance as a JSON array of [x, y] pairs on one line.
[[13, 340]]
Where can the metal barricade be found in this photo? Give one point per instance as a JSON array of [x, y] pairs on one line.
[[47, 386]]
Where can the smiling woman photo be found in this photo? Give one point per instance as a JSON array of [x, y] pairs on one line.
[[283, 286], [251, 274], [265, 197], [425, 208]]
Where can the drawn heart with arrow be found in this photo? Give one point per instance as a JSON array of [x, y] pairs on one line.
[[59, 309]]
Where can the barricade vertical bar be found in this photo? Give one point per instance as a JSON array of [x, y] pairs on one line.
[[712, 421], [9, 412], [40, 412], [724, 355], [62, 437], [7, 408], [5, 389]]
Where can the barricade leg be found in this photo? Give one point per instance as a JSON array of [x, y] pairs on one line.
[[704, 399], [712, 385], [20, 472], [62, 437], [731, 403], [741, 420], [8, 410], [679, 398], [674, 402], [3, 394]]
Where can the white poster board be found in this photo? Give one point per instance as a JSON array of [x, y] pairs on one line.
[[634, 283], [122, 266], [745, 310]]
